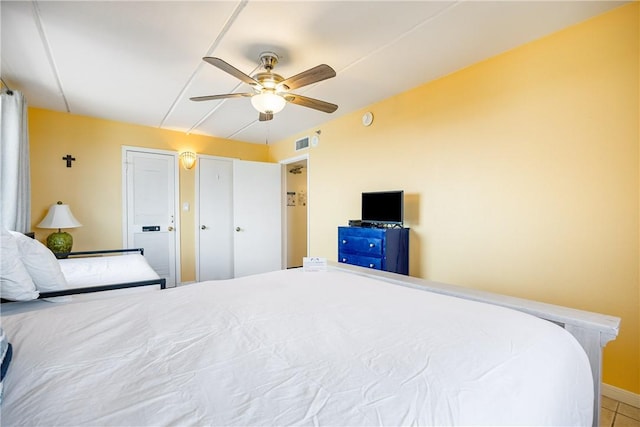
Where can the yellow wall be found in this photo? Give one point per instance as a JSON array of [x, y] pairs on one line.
[[521, 175], [93, 185]]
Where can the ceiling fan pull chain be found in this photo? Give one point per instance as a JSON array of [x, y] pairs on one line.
[[268, 132]]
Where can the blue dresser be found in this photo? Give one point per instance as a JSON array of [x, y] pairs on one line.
[[384, 249]]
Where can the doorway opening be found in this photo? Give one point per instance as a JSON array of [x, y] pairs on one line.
[[296, 210]]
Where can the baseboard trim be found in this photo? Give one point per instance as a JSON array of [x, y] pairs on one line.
[[621, 395]]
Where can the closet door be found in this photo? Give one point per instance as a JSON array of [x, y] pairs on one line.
[[239, 218], [215, 230], [257, 211]]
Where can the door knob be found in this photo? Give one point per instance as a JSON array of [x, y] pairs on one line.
[[238, 229], [170, 228], [204, 227]]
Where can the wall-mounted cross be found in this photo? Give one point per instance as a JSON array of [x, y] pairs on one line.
[[69, 159]]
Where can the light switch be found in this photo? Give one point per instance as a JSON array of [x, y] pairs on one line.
[[185, 206]]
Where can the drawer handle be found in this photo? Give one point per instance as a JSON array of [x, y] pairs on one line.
[[371, 245], [344, 242]]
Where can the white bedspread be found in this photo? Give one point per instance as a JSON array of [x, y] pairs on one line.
[[292, 348]]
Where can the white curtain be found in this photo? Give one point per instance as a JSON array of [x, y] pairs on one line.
[[15, 183]]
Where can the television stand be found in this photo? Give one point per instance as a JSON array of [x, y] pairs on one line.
[[385, 248]]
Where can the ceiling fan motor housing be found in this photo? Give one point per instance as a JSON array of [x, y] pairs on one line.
[[271, 81]]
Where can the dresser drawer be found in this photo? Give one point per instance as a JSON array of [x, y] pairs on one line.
[[361, 245], [362, 261]]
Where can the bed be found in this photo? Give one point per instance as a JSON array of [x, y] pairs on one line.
[[30, 270], [348, 346]]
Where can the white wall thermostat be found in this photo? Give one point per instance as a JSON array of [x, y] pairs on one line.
[[367, 118], [315, 139]]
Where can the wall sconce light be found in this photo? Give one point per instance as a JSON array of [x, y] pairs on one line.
[[188, 159]]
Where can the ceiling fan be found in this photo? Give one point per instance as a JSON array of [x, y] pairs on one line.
[[270, 90]]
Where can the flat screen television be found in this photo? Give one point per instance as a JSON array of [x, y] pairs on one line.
[[383, 208]]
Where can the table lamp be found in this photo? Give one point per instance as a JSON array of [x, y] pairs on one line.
[[59, 216]]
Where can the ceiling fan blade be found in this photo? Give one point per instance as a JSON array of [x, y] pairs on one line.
[[265, 117], [226, 95], [228, 68], [316, 104], [312, 75]]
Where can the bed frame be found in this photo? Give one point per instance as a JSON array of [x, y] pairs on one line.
[[89, 289], [592, 330]]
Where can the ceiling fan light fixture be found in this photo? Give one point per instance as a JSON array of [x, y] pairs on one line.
[[268, 102]]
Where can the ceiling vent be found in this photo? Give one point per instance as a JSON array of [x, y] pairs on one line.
[[302, 143]]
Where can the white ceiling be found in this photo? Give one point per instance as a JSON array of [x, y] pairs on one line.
[[139, 62]]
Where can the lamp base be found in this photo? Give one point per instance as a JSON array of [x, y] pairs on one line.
[[60, 243]]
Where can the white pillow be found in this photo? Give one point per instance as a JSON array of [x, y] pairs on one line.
[[15, 282], [41, 264]]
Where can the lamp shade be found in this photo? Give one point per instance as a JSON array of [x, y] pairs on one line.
[[268, 102], [59, 216]]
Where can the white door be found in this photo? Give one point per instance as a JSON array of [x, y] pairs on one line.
[[257, 208], [150, 208], [239, 218], [214, 187]]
